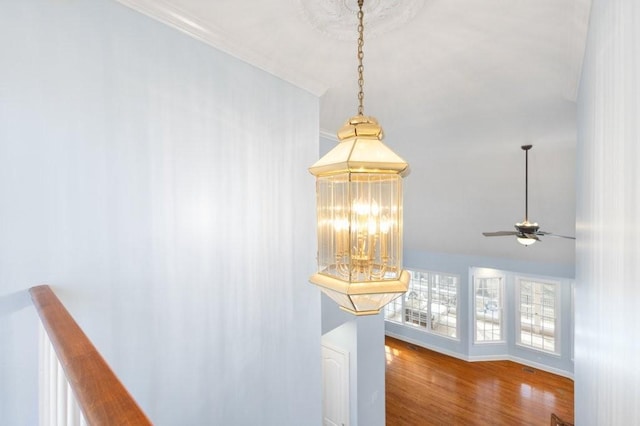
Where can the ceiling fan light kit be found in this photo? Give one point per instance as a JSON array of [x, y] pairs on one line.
[[526, 241], [526, 232]]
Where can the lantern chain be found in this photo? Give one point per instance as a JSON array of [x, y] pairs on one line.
[[360, 57]]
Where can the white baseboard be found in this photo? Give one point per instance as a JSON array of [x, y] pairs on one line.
[[479, 358], [426, 346], [542, 367]]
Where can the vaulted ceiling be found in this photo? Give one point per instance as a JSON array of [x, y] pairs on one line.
[[458, 86]]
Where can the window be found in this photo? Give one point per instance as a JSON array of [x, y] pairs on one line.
[[573, 320], [488, 310], [538, 315], [431, 303]]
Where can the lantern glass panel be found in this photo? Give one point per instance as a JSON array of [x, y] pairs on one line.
[[360, 226]]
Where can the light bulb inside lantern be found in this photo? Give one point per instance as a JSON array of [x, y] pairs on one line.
[[385, 225], [373, 226], [375, 209]]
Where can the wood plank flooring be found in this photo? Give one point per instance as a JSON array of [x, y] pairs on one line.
[[427, 388]]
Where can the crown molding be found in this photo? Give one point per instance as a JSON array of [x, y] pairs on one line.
[[328, 135], [181, 20]]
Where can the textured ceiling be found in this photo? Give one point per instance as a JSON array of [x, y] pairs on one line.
[[458, 86]]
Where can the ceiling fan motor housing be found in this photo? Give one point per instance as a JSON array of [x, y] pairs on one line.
[[527, 227]]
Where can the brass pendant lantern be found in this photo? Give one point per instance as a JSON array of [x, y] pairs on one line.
[[359, 213]]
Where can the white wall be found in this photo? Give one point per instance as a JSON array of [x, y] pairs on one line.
[[160, 187], [607, 380]]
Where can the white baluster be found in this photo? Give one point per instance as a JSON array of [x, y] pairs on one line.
[[52, 367], [56, 401], [73, 411], [61, 418], [44, 375]]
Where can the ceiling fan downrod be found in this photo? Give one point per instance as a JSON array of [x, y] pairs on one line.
[[526, 233], [526, 149]]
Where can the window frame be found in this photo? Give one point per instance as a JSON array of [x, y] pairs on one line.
[[426, 280], [557, 312], [501, 308], [572, 329]]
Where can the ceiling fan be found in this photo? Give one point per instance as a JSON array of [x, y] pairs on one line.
[[526, 232]]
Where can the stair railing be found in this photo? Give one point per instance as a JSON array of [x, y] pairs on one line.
[[77, 387]]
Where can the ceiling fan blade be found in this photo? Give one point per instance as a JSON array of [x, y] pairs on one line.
[[549, 234], [532, 236], [499, 233]]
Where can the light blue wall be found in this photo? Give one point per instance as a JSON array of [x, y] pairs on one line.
[[332, 315], [160, 187], [607, 377], [371, 370], [462, 265]]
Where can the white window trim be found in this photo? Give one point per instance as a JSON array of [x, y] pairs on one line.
[[557, 312], [428, 329], [572, 330], [502, 312]]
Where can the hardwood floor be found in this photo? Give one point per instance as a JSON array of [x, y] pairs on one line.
[[427, 388]]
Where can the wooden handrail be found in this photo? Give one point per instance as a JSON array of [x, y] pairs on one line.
[[100, 395]]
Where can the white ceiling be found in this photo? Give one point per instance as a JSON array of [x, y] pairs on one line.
[[458, 86]]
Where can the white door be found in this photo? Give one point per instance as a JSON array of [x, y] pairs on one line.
[[335, 386]]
